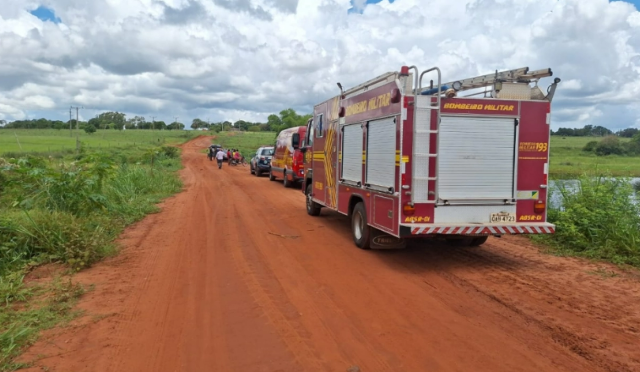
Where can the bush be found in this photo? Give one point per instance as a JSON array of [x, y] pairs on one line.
[[170, 151], [632, 148], [590, 146], [598, 220], [73, 188], [90, 129], [609, 146], [43, 236]]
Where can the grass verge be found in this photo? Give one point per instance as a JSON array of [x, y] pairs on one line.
[[68, 210], [598, 218]]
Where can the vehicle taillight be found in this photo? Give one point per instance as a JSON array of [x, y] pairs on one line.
[[408, 209], [298, 160], [539, 207]]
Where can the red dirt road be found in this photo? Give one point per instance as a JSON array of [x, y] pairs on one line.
[[233, 275]]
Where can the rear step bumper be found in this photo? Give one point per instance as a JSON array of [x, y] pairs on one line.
[[480, 229]]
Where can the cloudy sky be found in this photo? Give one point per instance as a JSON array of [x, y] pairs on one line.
[[244, 59]]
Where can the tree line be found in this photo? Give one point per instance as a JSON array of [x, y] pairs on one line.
[[595, 131], [113, 120]]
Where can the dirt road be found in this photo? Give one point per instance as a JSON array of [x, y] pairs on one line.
[[234, 276]]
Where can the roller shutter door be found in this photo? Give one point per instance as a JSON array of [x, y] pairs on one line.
[[476, 158], [352, 153], [381, 153]]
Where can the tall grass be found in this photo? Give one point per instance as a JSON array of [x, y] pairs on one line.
[[599, 218], [68, 211]]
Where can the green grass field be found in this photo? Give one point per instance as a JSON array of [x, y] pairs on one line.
[[567, 158], [246, 142], [569, 161], [51, 140]]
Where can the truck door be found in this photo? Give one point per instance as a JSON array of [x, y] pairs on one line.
[[308, 155], [319, 154]]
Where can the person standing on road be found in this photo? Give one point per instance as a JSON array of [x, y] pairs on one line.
[[220, 158]]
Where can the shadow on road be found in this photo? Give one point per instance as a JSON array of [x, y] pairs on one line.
[[432, 255]]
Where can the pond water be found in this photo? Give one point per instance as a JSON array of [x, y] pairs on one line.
[[555, 198]]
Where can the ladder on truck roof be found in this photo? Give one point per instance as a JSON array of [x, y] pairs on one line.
[[518, 75]]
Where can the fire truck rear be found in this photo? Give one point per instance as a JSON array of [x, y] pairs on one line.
[[405, 160]]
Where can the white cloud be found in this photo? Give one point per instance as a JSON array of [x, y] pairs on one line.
[[227, 59]]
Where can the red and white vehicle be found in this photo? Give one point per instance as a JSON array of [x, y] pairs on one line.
[[287, 161], [405, 161]]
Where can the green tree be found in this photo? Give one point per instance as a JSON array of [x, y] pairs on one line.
[[175, 125], [197, 123], [89, 129]]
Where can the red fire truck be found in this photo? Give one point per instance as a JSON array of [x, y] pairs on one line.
[[407, 161]]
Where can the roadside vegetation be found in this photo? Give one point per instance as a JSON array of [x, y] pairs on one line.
[[65, 208], [598, 217]]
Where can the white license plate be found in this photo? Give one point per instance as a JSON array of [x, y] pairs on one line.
[[503, 217]]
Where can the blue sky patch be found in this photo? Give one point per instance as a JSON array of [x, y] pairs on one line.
[[354, 10], [634, 2], [45, 14]]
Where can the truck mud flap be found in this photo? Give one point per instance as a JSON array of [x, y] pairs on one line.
[[382, 240]]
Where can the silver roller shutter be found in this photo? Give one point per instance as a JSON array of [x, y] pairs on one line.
[[381, 153], [476, 158], [352, 153]]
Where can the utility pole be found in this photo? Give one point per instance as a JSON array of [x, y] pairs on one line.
[[70, 118], [177, 127], [77, 126], [153, 120], [78, 118]]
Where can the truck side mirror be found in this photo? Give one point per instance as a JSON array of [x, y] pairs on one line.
[[295, 141]]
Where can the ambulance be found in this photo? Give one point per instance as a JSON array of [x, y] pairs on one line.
[[287, 162]]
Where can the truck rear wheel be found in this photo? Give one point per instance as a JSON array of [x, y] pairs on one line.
[[359, 227], [285, 182], [479, 240], [313, 208], [271, 176], [462, 241]]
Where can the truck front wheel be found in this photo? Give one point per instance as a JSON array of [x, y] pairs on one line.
[[359, 227], [313, 209]]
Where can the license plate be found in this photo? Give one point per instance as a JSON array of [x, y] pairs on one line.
[[503, 217]]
